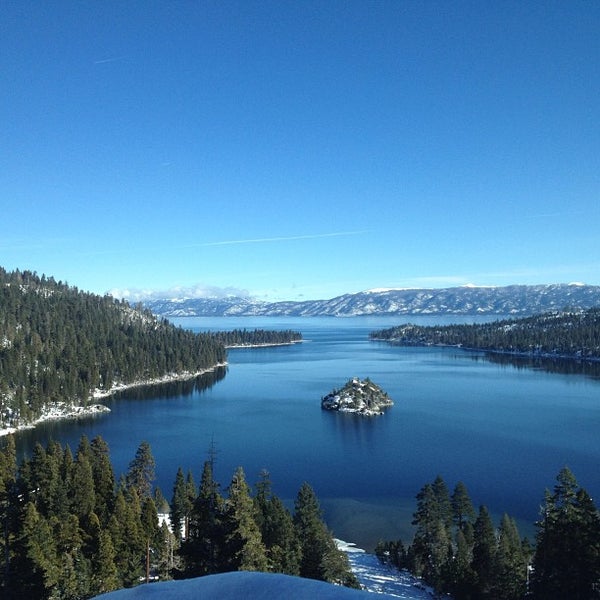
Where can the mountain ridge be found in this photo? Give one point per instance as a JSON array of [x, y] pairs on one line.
[[517, 300]]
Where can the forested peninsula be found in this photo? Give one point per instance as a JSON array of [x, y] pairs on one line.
[[242, 338], [567, 334], [60, 346]]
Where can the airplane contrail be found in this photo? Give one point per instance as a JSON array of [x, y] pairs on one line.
[[278, 239], [107, 60]]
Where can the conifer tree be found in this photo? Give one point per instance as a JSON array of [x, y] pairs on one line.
[[244, 546], [484, 554], [511, 562], [202, 552], [567, 556], [141, 471], [104, 479], [320, 557], [462, 507], [277, 530], [180, 508]]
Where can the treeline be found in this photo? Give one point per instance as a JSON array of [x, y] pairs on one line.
[[58, 344], [568, 334], [462, 553], [72, 531], [257, 337]]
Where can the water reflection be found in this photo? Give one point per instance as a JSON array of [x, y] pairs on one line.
[[563, 366], [173, 389]]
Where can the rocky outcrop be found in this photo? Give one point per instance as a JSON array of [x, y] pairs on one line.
[[358, 396]]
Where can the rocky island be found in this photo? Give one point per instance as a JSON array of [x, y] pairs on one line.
[[358, 396]]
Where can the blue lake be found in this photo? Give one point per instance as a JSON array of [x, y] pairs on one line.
[[502, 429]]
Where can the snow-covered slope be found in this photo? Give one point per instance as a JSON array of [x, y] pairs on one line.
[[386, 582], [467, 300], [240, 586]]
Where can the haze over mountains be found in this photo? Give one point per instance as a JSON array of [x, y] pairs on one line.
[[518, 300]]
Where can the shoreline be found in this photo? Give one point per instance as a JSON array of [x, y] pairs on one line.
[[266, 345], [512, 353], [61, 410]]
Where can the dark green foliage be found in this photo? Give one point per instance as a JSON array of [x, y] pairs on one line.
[[277, 530], [566, 334], [58, 344], [245, 550], [258, 337], [567, 557], [203, 549], [460, 556], [320, 557], [141, 471]]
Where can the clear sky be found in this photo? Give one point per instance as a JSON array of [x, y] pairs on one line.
[[300, 149]]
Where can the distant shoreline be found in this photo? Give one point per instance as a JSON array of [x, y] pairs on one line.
[[265, 345], [62, 411]]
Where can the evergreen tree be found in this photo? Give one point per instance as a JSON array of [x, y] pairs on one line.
[[277, 530], [463, 512], [431, 548], [244, 546], [82, 492], [104, 479], [484, 554], [180, 508], [141, 471], [320, 557], [567, 556], [202, 551], [511, 562]]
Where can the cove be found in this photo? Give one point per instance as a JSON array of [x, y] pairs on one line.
[[504, 428]]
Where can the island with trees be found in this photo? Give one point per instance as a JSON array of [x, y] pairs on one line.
[[358, 396], [567, 334]]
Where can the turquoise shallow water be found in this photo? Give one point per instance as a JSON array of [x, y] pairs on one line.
[[503, 430]]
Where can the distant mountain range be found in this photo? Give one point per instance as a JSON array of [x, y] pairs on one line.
[[518, 300]]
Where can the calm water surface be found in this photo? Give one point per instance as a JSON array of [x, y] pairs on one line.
[[504, 431]]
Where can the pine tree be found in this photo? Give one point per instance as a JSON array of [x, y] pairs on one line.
[[244, 545], [511, 562], [462, 507], [431, 548], [202, 551], [567, 556], [484, 554], [104, 479], [277, 530], [180, 509], [320, 557], [141, 471]]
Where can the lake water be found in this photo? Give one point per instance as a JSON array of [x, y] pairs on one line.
[[502, 429]]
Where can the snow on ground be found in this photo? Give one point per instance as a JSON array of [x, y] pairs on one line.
[[240, 585], [386, 582], [383, 579]]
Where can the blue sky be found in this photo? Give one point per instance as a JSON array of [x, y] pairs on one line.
[[300, 149]]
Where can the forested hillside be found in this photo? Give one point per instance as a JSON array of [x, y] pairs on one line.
[[58, 344], [71, 530], [564, 334]]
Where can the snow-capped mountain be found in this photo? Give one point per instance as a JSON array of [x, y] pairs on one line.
[[467, 300]]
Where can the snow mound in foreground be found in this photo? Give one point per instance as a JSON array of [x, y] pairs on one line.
[[240, 585]]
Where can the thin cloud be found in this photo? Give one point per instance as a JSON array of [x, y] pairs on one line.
[[313, 236], [108, 60]]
